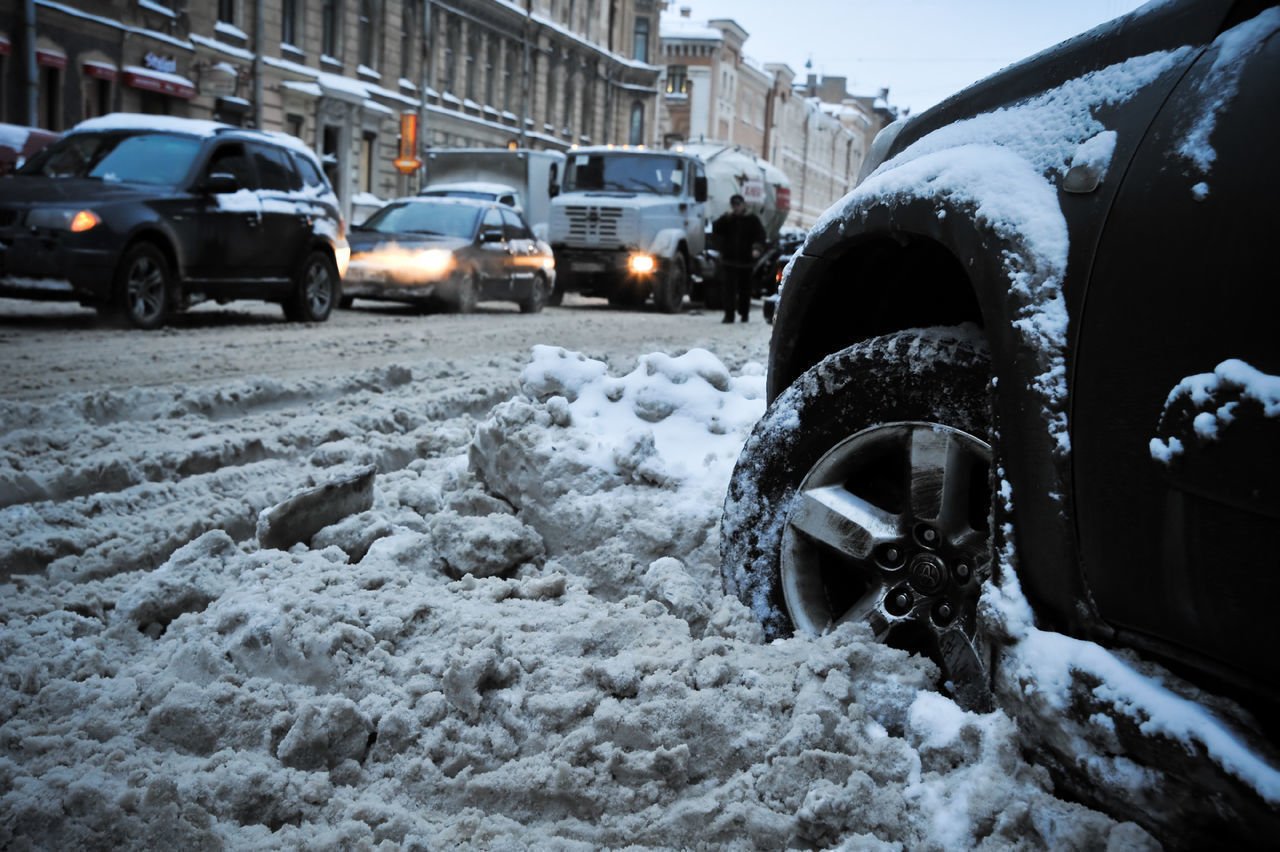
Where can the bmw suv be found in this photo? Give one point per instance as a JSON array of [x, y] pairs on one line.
[[144, 216]]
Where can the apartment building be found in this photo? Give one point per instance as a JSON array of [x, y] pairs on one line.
[[814, 131], [340, 74]]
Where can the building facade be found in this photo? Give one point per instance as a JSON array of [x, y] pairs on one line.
[[814, 131], [340, 74]]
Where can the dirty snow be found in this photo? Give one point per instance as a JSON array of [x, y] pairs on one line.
[[522, 644]]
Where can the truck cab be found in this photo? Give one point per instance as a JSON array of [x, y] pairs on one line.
[[629, 224]]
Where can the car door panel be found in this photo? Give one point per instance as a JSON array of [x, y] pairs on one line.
[[1177, 545]]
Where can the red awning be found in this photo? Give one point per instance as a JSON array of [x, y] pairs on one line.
[[162, 83], [4, 46], [51, 59], [101, 70]]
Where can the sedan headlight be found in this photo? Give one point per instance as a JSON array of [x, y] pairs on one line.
[[435, 262], [63, 219]]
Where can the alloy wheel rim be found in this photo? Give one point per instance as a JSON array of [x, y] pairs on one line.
[[145, 288], [891, 528]]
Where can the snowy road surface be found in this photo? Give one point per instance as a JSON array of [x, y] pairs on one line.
[[521, 643]]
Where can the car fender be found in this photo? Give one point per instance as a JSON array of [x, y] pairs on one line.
[[1004, 280], [157, 230]]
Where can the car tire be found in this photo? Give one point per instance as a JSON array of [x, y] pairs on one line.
[[864, 494], [537, 297], [467, 295], [144, 286], [315, 290], [670, 292]]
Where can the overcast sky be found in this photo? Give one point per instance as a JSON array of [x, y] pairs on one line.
[[922, 50]]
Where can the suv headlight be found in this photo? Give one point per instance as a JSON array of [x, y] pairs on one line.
[[63, 219]]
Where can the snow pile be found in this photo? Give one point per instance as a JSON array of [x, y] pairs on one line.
[[545, 661]]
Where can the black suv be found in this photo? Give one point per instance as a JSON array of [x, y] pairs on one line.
[[1035, 348], [146, 215]]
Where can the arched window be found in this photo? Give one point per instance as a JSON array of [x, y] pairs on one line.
[[636, 135]]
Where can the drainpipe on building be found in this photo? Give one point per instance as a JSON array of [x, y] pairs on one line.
[[257, 64], [33, 77], [524, 76], [425, 65]]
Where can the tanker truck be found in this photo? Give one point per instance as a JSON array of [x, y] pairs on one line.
[[631, 223]]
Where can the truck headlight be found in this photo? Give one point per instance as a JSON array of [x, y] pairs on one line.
[[642, 264], [63, 219]]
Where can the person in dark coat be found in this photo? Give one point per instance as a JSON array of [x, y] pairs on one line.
[[740, 238]]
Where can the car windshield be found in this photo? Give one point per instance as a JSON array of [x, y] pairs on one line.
[[417, 217], [625, 172], [155, 158]]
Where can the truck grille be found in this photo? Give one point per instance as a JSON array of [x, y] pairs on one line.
[[593, 224]]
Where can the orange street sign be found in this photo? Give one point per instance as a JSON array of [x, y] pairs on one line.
[[407, 162]]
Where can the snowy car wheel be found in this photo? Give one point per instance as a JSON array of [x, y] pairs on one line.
[[863, 494], [144, 287], [315, 290]]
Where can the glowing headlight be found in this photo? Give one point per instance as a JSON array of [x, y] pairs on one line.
[[62, 219], [642, 264], [434, 261], [548, 263]]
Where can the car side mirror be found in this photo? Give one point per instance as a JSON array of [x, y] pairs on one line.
[[699, 189], [219, 183], [491, 235]]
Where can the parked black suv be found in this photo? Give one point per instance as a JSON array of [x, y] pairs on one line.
[[146, 215], [1032, 355]]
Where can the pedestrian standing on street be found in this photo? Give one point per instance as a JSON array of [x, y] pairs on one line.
[[740, 238]]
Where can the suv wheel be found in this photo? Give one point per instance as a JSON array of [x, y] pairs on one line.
[[315, 290], [863, 494], [144, 286]]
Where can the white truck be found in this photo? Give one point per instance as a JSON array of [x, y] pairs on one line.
[[632, 223], [533, 175]]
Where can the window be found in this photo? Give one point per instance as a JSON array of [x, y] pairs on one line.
[[368, 27], [516, 229], [227, 11], [453, 37], [473, 52], [97, 97], [50, 111], [640, 49], [329, 28], [231, 159], [569, 76], [311, 176], [509, 78], [677, 79], [636, 135], [275, 171], [553, 70], [406, 38], [492, 221], [289, 22], [367, 161], [490, 71], [293, 123]]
